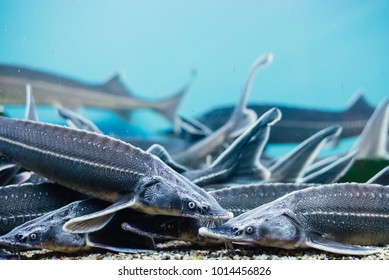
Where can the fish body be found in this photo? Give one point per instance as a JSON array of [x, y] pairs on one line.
[[298, 124], [47, 232], [338, 218], [51, 89], [25, 202], [236, 199], [104, 168]]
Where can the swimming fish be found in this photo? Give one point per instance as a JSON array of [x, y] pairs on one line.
[[337, 218], [51, 89], [238, 199], [47, 232], [291, 166], [106, 168], [300, 123]]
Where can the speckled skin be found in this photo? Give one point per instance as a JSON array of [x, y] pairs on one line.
[[328, 217], [21, 203], [104, 167]]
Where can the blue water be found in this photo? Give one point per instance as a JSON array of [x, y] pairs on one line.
[[323, 50]]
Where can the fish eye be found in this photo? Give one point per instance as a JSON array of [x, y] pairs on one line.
[[249, 230], [191, 205], [32, 236]]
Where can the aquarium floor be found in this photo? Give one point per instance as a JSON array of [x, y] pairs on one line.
[[184, 251]]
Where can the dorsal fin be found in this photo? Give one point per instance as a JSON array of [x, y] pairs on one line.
[[115, 86], [358, 102], [372, 142]]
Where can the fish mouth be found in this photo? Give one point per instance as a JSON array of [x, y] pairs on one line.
[[222, 235], [209, 233]]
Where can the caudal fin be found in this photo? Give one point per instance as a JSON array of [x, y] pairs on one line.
[[168, 107]]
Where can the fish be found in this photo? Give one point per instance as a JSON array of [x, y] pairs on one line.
[[235, 198], [27, 201], [105, 168], [238, 121], [337, 218], [52, 89], [47, 232], [299, 123]]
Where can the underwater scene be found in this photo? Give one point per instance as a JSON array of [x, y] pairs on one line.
[[194, 129]]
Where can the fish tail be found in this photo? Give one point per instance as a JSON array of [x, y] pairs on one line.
[[169, 106]]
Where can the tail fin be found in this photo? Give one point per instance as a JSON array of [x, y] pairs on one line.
[[168, 107]]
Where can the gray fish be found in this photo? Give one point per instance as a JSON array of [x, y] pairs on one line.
[[50, 89], [104, 168], [338, 218], [195, 155], [300, 123], [237, 199], [22, 203], [47, 232]]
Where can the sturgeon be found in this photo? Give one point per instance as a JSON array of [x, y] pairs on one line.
[[25, 202], [237, 199], [105, 168], [47, 232], [300, 123], [337, 218], [52, 89]]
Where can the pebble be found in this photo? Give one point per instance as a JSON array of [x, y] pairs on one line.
[[187, 253]]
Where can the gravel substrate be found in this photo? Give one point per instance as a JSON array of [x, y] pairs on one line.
[[185, 251]]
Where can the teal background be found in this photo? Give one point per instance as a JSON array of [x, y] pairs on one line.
[[323, 50]]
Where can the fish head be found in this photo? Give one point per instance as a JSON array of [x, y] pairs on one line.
[[178, 198], [270, 230], [37, 235]]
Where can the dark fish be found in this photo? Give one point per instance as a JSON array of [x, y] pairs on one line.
[[22, 203], [300, 123], [47, 232], [338, 218], [104, 168]]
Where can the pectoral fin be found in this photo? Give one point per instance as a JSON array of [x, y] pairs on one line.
[[318, 242], [97, 220], [92, 244]]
